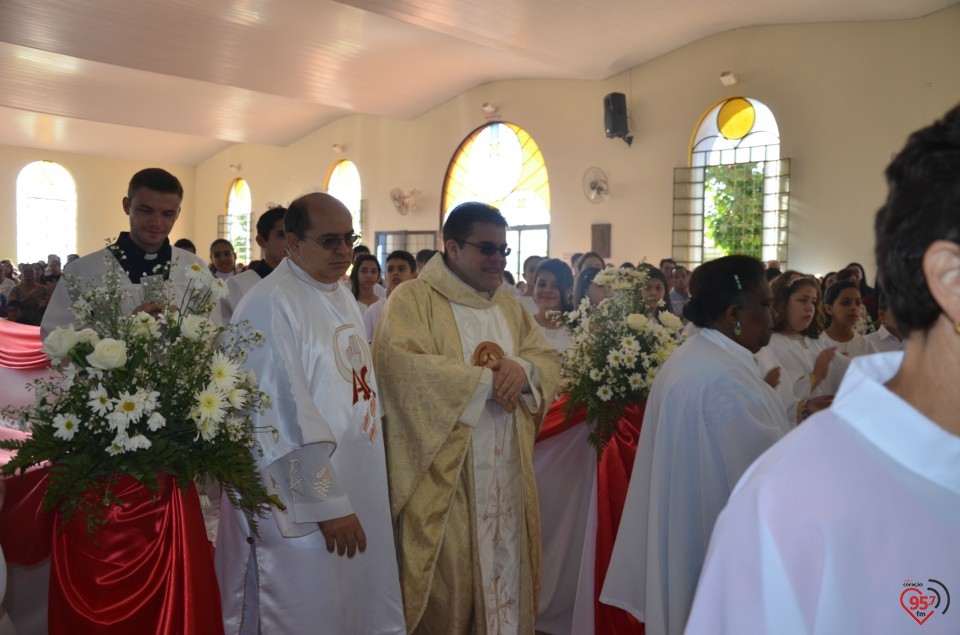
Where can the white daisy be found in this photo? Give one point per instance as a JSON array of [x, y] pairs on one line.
[[155, 421], [118, 445], [615, 358], [66, 425], [137, 442], [595, 374], [224, 372], [237, 397], [604, 393], [129, 405], [100, 402], [210, 404], [219, 288], [207, 429], [195, 272], [635, 381]]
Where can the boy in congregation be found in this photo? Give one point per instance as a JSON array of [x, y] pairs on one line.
[[401, 266]]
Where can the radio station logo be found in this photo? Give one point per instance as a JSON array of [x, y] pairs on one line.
[[922, 600]]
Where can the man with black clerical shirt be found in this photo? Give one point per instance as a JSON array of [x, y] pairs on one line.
[[143, 254]]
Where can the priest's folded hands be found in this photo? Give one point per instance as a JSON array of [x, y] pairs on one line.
[[509, 381]]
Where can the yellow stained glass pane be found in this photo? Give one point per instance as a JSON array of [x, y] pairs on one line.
[[494, 162], [736, 118]]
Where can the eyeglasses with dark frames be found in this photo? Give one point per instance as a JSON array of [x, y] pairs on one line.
[[488, 249], [328, 241]]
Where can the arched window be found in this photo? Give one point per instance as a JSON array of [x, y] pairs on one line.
[[501, 164], [734, 197], [343, 182], [235, 226], [46, 212]]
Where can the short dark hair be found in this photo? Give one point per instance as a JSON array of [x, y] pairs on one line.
[[360, 249], [297, 219], [528, 259], [183, 243], [772, 274], [590, 254], [464, 216], [720, 283], [561, 271], [670, 260], [222, 241], [268, 219], [845, 275], [424, 255], [785, 286], [406, 256], [355, 274], [156, 179], [921, 208]]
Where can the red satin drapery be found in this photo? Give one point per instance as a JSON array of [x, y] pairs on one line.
[[613, 477], [149, 570], [20, 347]]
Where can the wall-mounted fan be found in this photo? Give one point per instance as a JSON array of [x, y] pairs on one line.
[[404, 203], [595, 185]]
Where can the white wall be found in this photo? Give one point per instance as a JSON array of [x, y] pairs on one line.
[[101, 186], [845, 97]]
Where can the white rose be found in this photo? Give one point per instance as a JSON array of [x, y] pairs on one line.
[[60, 342], [637, 321], [196, 328], [144, 325], [108, 353], [670, 321], [88, 336]]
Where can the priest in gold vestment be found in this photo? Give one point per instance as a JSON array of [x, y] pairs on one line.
[[465, 376]]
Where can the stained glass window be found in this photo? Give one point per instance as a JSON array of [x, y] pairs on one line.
[[501, 164], [46, 212], [735, 196], [239, 208], [343, 182]]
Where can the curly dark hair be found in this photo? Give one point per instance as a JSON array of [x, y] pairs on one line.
[[788, 283], [921, 208]]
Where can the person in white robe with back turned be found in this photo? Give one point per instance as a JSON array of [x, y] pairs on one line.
[[327, 563], [850, 524], [709, 415]]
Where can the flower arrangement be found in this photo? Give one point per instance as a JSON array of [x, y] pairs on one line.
[[142, 395], [617, 351]]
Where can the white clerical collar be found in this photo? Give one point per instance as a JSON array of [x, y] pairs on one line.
[[894, 426], [731, 347], [306, 277]]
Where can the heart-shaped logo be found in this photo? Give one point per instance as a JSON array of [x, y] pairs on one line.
[[918, 605]]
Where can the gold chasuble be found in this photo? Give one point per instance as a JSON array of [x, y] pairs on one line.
[[462, 489]]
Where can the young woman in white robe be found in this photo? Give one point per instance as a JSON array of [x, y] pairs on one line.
[[565, 466], [810, 371], [708, 417], [849, 524], [843, 306]]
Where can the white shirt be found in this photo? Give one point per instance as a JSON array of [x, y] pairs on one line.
[[828, 530], [708, 417], [371, 315], [796, 356], [859, 345], [884, 341]]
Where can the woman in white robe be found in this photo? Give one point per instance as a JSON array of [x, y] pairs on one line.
[[844, 306], [810, 370], [709, 415], [849, 525], [565, 467]]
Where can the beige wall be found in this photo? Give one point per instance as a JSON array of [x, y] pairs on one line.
[[101, 186], [845, 96]]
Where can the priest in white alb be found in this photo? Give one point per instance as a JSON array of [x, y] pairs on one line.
[[466, 375], [327, 562]]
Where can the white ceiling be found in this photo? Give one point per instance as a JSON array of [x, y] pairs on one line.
[[175, 81]]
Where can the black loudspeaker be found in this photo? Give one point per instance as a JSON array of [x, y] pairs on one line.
[[615, 115]]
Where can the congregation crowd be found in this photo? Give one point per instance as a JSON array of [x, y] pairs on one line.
[[788, 447]]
